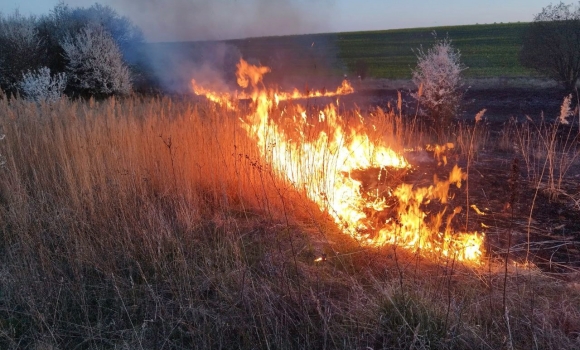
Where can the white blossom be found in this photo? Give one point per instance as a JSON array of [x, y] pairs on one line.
[[20, 48], [438, 76], [41, 86], [95, 63]]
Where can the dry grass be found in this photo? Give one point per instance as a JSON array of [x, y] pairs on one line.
[[550, 151], [153, 224]]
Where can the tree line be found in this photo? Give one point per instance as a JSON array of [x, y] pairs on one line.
[[73, 51]]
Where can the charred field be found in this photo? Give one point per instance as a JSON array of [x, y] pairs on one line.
[[551, 221]]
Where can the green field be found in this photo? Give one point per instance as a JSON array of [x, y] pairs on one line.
[[489, 50]]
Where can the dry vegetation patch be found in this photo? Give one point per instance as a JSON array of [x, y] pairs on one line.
[[154, 224]]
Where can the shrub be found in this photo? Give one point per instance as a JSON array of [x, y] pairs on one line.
[[438, 78], [95, 63], [41, 86]]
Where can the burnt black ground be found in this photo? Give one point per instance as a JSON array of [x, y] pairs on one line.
[[519, 214], [500, 103]]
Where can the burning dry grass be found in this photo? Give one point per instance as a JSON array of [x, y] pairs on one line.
[[319, 157], [154, 224]]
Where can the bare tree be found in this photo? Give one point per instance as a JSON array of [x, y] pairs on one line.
[[95, 63], [551, 44]]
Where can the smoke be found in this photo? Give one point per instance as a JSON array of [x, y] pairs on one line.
[[190, 20], [183, 35], [211, 64]]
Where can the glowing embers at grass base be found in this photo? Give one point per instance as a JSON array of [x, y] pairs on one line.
[[322, 155]]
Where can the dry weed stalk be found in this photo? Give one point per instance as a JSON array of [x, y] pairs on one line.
[[549, 150]]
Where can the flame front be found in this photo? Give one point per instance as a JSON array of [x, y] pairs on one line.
[[319, 158]]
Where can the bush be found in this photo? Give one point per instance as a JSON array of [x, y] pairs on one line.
[[95, 63], [41, 86], [439, 82]]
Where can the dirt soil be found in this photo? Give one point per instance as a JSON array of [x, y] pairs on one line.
[[517, 211]]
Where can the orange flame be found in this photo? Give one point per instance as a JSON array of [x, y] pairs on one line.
[[222, 98], [320, 161], [250, 74]]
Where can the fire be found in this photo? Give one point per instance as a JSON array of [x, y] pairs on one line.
[[250, 74], [223, 98], [344, 89], [321, 157]]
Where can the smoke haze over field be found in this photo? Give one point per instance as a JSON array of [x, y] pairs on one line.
[[185, 20]]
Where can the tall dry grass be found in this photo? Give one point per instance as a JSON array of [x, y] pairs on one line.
[[550, 150], [154, 224]]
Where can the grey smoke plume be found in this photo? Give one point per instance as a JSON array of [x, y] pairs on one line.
[[211, 64], [166, 23], [187, 20]]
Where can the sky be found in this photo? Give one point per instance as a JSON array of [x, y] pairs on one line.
[[184, 20]]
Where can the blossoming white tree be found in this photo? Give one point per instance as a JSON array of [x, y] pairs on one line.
[[19, 49], [94, 63], [41, 86], [439, 82]]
